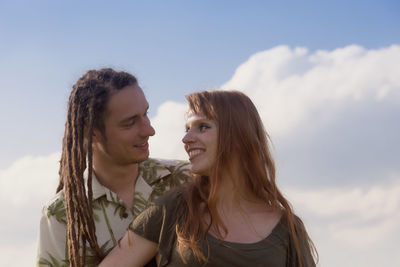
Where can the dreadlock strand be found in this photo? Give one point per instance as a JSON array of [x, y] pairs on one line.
[[73, 194], [72, 224], [83, 249], [91, 227], [79, 160], [62, 171]]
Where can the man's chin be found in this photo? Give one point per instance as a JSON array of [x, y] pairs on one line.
[[141, 159]]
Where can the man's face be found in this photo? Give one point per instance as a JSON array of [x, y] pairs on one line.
[[127, 128]]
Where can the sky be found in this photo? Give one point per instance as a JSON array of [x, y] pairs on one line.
[[324, 75]]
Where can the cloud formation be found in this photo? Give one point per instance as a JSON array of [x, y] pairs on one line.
[[347, 224], [291, 85], [169, 124], [25, 186]]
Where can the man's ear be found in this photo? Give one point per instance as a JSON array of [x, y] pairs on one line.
[[96, 135]]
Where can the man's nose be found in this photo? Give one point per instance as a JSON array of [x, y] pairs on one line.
[[147, 129]]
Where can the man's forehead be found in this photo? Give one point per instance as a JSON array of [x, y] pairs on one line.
[[128, 101]]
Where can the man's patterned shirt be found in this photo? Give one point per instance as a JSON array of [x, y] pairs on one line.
[[111, 216]]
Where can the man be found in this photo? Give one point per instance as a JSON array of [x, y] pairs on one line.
[[106, 178]]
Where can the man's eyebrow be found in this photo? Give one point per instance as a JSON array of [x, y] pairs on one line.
[[131, 118]]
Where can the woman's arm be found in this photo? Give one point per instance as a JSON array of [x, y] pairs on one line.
[[132, 250], [151, 231]]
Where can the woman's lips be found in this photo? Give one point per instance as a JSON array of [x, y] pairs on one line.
[[194, 153]]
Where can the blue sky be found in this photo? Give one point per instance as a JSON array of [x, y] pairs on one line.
[[174, 47], [325, 76]]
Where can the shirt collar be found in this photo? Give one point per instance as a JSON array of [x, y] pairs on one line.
[[98, 189], [150, 171], [153, 170]]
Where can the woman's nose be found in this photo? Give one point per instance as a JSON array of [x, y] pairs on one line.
[[187, 138]]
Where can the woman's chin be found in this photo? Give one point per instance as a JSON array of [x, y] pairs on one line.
[[201, 172]]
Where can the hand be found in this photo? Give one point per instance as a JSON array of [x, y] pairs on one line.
[[132, 251]]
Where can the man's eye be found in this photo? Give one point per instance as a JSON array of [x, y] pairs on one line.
[[129, 124]]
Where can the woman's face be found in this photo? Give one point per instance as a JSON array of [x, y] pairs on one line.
[[201, 143]]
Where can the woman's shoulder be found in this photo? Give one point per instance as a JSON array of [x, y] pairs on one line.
[[283, 226], [295, 218], [171, 199], [160, 212]]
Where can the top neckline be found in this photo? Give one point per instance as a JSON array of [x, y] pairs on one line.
[[278, 228]]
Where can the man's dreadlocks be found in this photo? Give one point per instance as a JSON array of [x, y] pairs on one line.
[[86, 109]]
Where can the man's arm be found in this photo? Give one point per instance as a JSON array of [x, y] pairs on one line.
[[52, 240], [133, 251]]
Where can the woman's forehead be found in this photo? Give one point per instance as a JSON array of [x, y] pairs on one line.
[[191, 113], [192, 116]]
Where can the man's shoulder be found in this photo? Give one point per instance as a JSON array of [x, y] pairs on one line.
[[154, 170], [56, 207], [164, 163], [163, 175]]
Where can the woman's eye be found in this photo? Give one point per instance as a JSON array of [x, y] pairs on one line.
[[203, 127]]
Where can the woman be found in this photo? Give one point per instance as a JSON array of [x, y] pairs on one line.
[[232, 213]]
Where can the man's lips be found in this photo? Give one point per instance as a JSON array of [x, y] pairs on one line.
[[144, 146]]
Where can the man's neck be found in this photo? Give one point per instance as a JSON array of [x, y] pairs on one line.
[[117, 178], [121, 179]]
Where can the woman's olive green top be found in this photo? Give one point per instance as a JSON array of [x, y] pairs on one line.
[[158, 223]]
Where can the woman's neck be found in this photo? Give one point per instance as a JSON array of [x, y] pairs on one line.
[[242, 216], [234, 195]]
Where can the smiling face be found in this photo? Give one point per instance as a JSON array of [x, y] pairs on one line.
[[201, 143], [127, 128]]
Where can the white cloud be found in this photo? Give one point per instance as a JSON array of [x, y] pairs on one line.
[[24, 188], [331, 114], [375, 202], [28, 182], [352, 221], [22, 254], [290, 85], [41, 178], [169, 124]]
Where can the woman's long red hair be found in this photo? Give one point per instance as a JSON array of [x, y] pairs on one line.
[[240, 133]]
